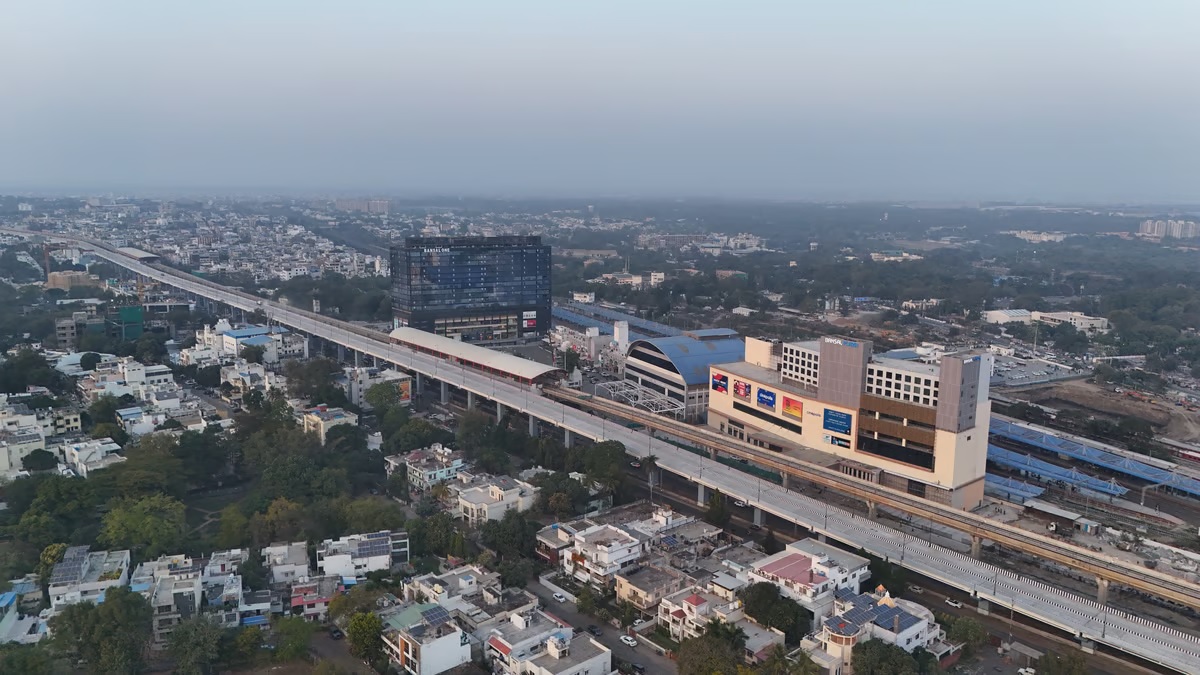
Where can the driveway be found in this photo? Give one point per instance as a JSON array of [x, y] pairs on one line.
[[566, 611], [337, 652]]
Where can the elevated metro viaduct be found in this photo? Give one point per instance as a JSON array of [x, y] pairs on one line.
[[1091, 622]]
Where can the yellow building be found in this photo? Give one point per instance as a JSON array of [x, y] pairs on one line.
[[910, 425]]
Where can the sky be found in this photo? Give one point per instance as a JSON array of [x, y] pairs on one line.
[[869, 99]]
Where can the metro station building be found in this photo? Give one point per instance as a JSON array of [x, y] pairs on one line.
[[906, 424]]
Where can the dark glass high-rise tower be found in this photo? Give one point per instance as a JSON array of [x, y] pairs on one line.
[[480, 289]]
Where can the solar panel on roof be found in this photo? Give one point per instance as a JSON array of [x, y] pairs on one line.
[[435, 615], [379, 535]]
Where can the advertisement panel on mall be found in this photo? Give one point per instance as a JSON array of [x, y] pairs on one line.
[[766, 399], [793, 408], [837, 421], [720, 383], [741, 389]]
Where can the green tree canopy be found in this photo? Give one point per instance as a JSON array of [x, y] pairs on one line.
[[195, 644], [364, 634], [707, 655], [110, 637], [151, 526], [875, 657]]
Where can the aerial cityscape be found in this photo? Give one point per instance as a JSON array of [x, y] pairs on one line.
[[586, 360]]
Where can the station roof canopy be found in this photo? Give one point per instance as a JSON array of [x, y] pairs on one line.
[[138, 253], [467, 353], [692, 353]]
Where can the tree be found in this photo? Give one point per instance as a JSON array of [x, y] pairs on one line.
[[718, 511], [1071, 663], [363, 633], [39, 460], [707, 655], [28, 660], [968, 631], [767, 606], [151, 526], [195, 644], [50, 556], [397, 485], [727, 632], [89, 361], [246, 645], [876, 657], [282, 521], [585, 600], [110, 430], [235, 528], [778, 662], [293, 635], [253, 353], [110, 637], [361, 598], [771, 544], [383, 397]]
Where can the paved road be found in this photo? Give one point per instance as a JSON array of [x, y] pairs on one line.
[[338, 653], [566, 611], [1134, 634]]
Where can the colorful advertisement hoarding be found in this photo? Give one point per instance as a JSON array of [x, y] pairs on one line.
[[741, 389], [793, 408], [766, 399], [839, 442], [720, 383], [404, 390], [837, 421]]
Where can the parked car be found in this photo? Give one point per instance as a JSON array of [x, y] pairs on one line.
[[755, 528], [636, 465], [629, 641], [595, 630], [916, 590], [953, 603], [560, 597], [336, 633]]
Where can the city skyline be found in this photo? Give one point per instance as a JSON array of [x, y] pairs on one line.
[[1071, 102]]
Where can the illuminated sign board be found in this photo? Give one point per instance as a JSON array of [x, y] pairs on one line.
[[793, 407], [766, 399], [529, 315], [741, 389], [531, 323], [720, 383], [838, 422]]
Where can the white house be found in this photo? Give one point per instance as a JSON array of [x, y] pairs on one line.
[[355, 555]]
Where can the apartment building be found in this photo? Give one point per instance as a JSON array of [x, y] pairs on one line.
[[430, 466], [358, 381], [355, 555], [473, 596], [512, 644], [84, 575], [912, 426], [810, 577], [686, 613]]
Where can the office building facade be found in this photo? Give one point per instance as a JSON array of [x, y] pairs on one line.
[[913, 426], [478, 289]]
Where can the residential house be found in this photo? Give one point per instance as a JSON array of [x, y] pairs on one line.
[[422, 639], [429, 466], [85, 457], [173, 586], [473, 596], [355, 555], [493, 497], [599, 552], [320, 419], [511, 644], [644, 587], [310, 598], [83, 575], [287, 562]]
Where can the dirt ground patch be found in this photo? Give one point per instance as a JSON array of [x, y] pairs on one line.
[[1094, 397]]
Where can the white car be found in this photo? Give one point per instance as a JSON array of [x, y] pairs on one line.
[[740, 504], [953, 603], [629, 641], [560, 597]]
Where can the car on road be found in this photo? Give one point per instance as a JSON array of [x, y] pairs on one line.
[[629, 641], [637, 668], [636, 465], [916, 590], [953, 603], [336, 634], [560, 597], [755, 528], [739, 503], [595, 630]]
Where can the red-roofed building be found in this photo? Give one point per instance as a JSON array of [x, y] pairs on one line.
[[810, 574], [310, 599], [686, 613]]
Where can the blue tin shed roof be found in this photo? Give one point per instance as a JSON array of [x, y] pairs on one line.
[[692, 356]]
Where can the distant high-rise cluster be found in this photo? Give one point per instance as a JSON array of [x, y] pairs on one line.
[[381, 206], [1177, 229]]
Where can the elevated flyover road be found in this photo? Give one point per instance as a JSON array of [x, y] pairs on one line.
[[1088, 620]]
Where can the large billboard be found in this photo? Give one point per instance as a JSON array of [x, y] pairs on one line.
[[793, 408], [720, 383], [741, 389], [837, 421], [404, 390], [766, 399]]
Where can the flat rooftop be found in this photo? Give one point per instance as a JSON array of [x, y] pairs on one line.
[[765, 376], [583, 648]]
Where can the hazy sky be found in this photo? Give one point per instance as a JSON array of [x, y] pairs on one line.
[[1091, 100]]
